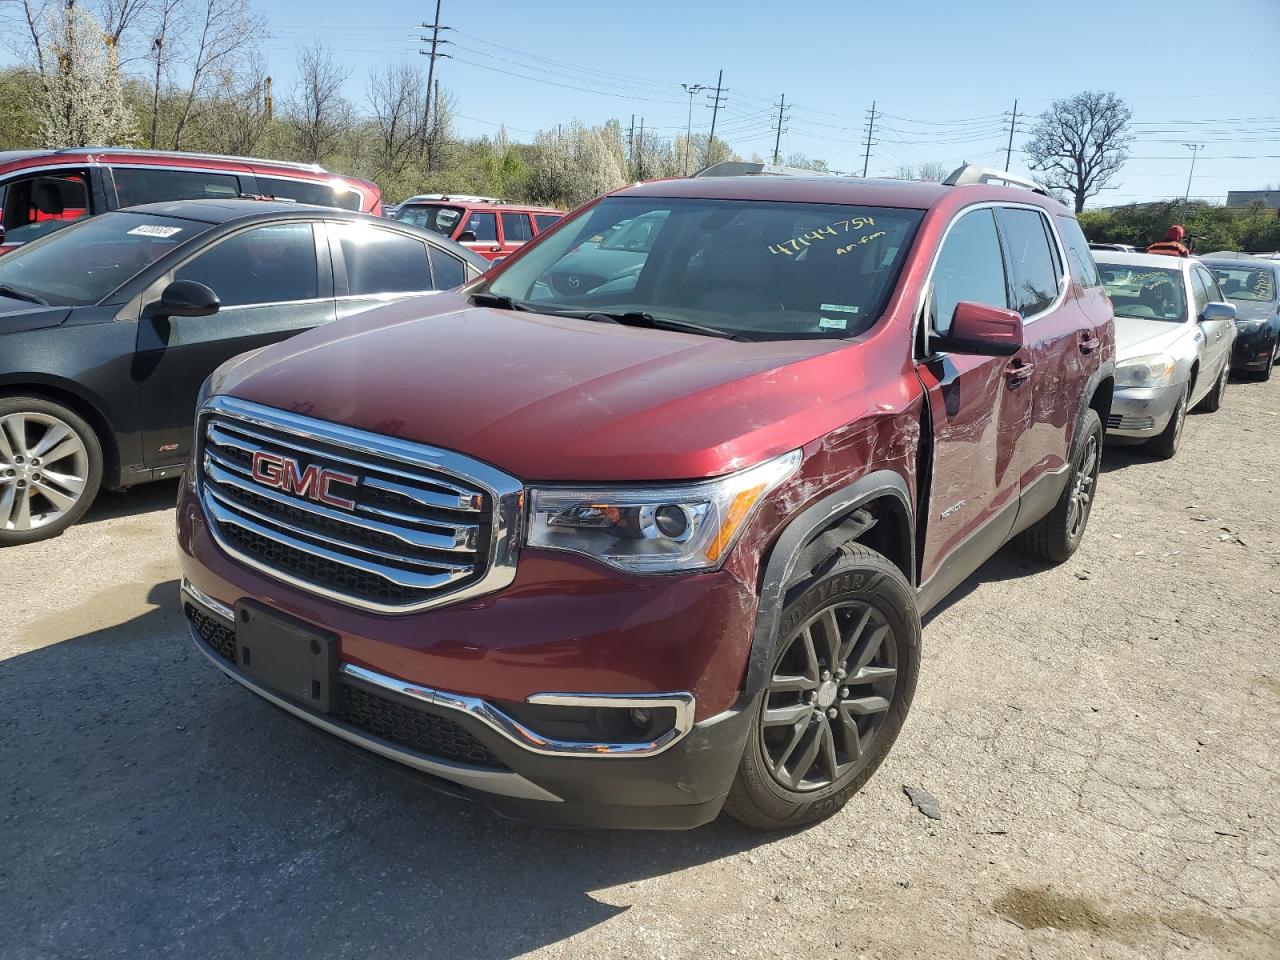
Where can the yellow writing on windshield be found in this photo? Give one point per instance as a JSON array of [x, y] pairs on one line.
[[834, 229], [848, 248]]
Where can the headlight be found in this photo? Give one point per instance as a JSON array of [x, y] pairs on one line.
[[688, 526], [1156, 370]]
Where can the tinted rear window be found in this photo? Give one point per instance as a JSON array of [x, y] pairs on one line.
[[138, 185], [309, 191], [1035, 276]]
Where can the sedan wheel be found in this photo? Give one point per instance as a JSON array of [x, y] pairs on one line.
[[50, 468]]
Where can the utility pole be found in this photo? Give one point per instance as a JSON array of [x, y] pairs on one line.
[[268, 105], [781, 105], [1194, 148], [1013, 120], [640, 153], [435, 29], [691, 89], [871, 129], [716, 103], [631, 146]]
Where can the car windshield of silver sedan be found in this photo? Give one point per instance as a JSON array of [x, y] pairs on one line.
[[1144, 293], [90, 259], [1255, 284], [751, 270]]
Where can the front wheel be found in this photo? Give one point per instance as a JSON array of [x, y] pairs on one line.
[[1057, 534], [844, 671], [1164, 446], [50, 469]]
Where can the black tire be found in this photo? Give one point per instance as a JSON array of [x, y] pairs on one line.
[[1265, 374], [887, 642], [1057, 534], [1213, 399], [1164, 446], [44, 517]]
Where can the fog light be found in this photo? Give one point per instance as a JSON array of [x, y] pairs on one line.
[[641, 718]]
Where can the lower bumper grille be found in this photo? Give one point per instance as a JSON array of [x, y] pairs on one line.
[[1118, 422], [408, 727]]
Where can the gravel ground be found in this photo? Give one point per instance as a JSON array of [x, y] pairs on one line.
[[1101, 738]]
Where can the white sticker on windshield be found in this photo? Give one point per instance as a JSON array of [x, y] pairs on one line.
[[154, 230], [832, 323], [839, 308]]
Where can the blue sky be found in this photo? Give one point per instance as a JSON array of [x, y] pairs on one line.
[[944, 73]]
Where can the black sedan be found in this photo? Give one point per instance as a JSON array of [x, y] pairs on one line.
[[106, 330], [1253, 285]]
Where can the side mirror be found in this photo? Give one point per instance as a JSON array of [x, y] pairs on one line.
[[979, 329], [467, 236], [1217, 310], [182, 298]]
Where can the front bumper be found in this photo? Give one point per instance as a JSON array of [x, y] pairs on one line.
[[1253, 351], [1142, 412], [680, 785]]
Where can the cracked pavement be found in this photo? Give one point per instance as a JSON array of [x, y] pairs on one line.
[[1101, 736]]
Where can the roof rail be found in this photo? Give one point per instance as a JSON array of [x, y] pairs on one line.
[[744, 168], [972, 173], [460, 197], [290, 164]]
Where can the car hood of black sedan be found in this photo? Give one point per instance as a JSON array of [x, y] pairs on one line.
[[1253, 309], [19, 315]]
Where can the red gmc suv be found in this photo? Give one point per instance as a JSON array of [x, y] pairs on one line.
[[631, 552]]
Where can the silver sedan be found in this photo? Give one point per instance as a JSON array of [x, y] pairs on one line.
[[1174, 334]]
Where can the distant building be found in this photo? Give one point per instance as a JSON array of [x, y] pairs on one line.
[[1270, 199]]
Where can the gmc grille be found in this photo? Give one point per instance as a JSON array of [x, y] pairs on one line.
[[418, 527]]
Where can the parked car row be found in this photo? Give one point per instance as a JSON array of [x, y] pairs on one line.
[[632, 520]]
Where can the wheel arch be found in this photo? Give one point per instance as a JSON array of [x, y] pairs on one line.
[[884, 496], [69, 397]]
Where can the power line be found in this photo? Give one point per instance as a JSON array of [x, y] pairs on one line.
[[781, 105], [717, 101], [431, 69]]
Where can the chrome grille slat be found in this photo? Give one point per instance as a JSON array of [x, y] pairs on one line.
[[404, 578], [463, 536], [425, 526], [455, 498]]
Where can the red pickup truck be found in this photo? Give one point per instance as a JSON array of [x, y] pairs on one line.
[[631, 553]]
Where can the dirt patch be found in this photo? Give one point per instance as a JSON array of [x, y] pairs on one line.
[[108, 607]]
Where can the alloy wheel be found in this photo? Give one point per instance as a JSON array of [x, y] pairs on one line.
[[1180, 415], [43, 469], [1082, 489], [829, 696]]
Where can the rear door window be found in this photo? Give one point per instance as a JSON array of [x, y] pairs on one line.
[[309, 191], [382, 261], [1200, 291], [484, 226], [139, 185], [1033, 264], [1083, 268], [275, 263], [515, 228], [546, 221], [36, 205], [969, 267]]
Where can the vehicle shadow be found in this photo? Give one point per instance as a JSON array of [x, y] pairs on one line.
[[154, 808], [144, 498], [1118, 456], [1008, 563]]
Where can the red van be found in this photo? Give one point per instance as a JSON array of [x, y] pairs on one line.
[[491, 227], [42, 190]]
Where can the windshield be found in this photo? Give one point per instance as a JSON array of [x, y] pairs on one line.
[[745, 268], [89, 260], [1257, 284], [1144, 293], [441, 220]]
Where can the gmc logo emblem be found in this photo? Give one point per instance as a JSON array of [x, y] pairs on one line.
[[285, 473]]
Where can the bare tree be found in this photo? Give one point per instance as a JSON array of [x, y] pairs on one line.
[[319, 115], [1080, 144], [395, 95], [222, 36], [236, 119], [931, 170], [444, 104], [168, 13]]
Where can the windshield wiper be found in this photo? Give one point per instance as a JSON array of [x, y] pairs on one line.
[[498, 301], [16, 294], [637, 318]]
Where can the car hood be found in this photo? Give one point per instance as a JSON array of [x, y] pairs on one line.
[[553, 398], [1138, 338], [19, 315], [1253, 309]]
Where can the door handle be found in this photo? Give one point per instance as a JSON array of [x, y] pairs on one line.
[[495, 249], [1019, 371], [1088, 342]]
